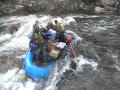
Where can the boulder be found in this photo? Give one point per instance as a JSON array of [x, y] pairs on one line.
[[99, 10], [14, 27], [19, 7]]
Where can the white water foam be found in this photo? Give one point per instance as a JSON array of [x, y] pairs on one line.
[[20, 39], [68, 20], [15, 79], [81, 60], [56, 76], [5, 37]]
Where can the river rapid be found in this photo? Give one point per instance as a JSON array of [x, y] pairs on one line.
[[98, 41]]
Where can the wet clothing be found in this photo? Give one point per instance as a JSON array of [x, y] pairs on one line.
[[33, 45], [36, 35], [50, 25], [49, 35], [59, 27], [45, 35], [35, 28], [60, 37], [67, 37], [41, 53], [36, 31], [39, 49], [38, 44], [52, 35]]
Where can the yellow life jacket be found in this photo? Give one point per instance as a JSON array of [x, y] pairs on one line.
[[37, 35], [60, 26]]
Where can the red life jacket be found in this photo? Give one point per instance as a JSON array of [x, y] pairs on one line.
[[68, 37]]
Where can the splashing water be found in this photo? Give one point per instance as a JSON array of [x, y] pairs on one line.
[[15, 79], [81, 60]]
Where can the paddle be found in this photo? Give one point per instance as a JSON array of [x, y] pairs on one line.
[[74, 53], [74, 61]]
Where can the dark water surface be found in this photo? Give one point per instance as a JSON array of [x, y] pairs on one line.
[[101, 42]]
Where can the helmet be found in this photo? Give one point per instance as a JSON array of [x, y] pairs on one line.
[[36, 21], [56, 21]]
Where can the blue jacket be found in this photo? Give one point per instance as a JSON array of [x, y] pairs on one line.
[[46, 34], [32, 44]]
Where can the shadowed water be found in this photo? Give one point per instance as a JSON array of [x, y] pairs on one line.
[[101, 43]]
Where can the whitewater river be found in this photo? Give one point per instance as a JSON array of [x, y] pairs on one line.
[[98, 49]]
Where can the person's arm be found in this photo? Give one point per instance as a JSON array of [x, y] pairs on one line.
[[47, 33], [32, 45]]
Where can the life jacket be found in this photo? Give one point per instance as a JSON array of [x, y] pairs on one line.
[[68, 37], [36, 35], [60, 27]]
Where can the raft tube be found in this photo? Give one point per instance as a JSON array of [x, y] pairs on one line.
[[33, 71]]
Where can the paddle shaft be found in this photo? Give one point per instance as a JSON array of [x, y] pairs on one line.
[[73, 51]]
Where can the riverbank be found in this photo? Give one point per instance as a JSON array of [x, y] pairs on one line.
[[58, 7]]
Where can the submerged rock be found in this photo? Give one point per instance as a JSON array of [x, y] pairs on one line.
[[13, 27]]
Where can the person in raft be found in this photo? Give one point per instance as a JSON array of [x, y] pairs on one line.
[[59, 27]]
